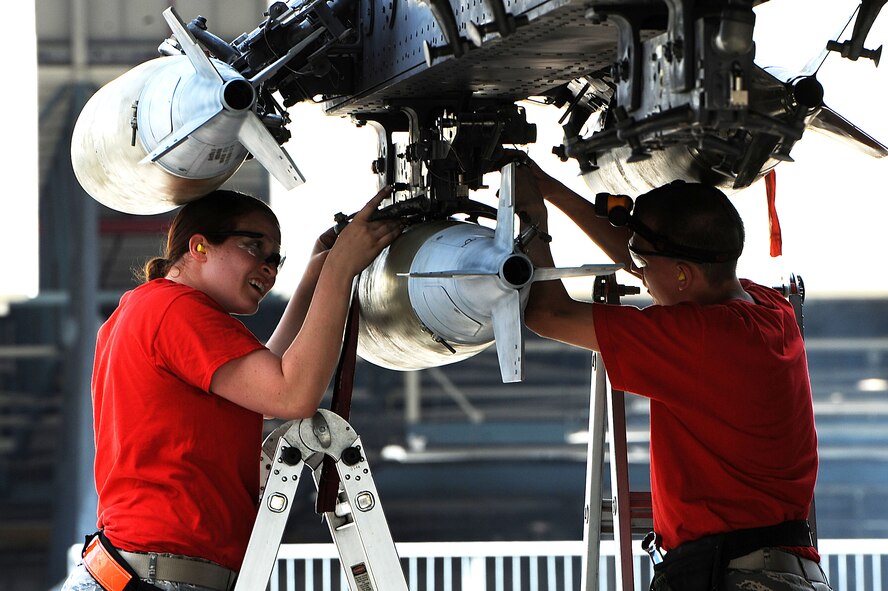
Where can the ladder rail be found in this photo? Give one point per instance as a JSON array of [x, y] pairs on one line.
[[619, 469], [592, 512], [283, 470]]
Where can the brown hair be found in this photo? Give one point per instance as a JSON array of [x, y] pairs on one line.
[[217, 212]]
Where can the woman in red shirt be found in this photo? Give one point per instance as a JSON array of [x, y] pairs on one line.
[[180, 386]]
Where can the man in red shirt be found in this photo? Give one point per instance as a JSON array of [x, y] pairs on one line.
[[733, 445]]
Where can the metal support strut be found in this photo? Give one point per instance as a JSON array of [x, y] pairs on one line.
[[357, 523]]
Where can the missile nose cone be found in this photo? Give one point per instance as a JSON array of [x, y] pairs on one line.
[[426, 301]]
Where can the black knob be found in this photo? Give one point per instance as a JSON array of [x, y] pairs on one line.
[[351, 456], [291, 456]]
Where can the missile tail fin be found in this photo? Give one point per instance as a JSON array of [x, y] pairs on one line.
[[507, 325], [202, 64], [262, 145], [178, 136], [505, 214], [834, 125]]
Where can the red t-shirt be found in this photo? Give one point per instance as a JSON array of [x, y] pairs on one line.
[[177, 468], [733, 444]]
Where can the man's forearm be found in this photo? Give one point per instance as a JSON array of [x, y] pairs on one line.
[[613, 241]]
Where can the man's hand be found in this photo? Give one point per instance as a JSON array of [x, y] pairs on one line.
[[529, 204]]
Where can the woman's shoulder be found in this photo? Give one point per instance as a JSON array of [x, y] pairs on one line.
[[162, 306], [163, 293]]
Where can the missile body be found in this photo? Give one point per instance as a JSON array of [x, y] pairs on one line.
[[445, 290], [171, 130], [431, 297], [128, 117]]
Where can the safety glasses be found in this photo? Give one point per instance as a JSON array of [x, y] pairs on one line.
[[638, 255], [256, 246]]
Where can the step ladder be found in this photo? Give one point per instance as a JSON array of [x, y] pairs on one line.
[[357, 523]]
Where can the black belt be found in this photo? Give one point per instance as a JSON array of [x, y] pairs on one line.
[[734, 544], [700, 564], [777, 560]]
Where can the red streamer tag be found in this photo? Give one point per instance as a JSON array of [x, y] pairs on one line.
[[773, 220]]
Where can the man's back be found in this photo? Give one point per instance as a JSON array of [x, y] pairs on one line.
[[733, 444]]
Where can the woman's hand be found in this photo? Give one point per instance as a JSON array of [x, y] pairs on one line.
[[362, 240], [324, 242]]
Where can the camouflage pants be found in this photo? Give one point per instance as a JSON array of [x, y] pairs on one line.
[[80, 580], [765, 580]]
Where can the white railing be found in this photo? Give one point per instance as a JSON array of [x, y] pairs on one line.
[[855, 565], [852, 565]]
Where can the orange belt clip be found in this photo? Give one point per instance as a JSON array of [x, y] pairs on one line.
[[105, 567]]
